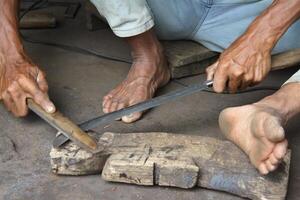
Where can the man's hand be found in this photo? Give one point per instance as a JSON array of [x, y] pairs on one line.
[[21, 79], [243, 64], [247, 61]]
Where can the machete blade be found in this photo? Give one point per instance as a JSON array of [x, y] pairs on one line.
[[151, 103]]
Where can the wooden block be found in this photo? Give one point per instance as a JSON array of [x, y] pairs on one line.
[[188, 58], [175, 160], [129, 168]]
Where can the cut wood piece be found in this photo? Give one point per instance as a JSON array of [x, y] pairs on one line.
[[127, 166], [174, 160]]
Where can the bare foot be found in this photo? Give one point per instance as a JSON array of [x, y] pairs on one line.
[[257, 130], [148, 72]]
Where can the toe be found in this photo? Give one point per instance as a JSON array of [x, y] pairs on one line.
[[263, 169], [113, 106], [280, 150], [121, 105], [273, 129], [132, 117], [106, 106], [270, 166], [273, 159]]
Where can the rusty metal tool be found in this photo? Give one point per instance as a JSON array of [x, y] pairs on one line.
[[151, 103], [65, 127]]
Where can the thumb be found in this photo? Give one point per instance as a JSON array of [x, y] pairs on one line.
[[210, 71]]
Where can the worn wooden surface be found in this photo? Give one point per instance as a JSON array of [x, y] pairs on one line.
[[173, 160]]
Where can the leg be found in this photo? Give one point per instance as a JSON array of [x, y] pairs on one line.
[[149, 70], [258, 128]]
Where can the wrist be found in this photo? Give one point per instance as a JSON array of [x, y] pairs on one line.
[[11, 46], [261, 39]]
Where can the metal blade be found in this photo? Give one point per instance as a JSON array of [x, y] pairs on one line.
[[151, 103]]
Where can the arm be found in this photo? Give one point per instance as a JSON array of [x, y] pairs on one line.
[[20, 78], [248, 60]]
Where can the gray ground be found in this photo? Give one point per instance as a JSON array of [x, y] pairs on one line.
[[77, 85]]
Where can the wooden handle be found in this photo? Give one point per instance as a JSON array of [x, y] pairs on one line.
[[66, 126]]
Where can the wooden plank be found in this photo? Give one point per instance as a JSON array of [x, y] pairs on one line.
[[175, 160], [187, 58]]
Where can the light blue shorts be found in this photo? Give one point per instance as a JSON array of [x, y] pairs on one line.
[[214, 23]]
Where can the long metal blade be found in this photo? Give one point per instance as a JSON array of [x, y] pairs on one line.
[[151, 103]]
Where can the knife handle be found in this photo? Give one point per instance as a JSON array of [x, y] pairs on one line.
[[64, 125]]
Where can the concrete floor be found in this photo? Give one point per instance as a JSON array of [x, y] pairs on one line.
[[77, 85]]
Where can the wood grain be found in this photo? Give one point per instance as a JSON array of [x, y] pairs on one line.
[[175, 160]]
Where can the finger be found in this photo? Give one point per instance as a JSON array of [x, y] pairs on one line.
[[38, 96], [247, 80], [8, 102], [19, 98], [244, 84], [234, 84], [210, 71], [220, 79], [257, 77], [42, 82]]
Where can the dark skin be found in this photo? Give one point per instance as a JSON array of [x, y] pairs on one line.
[[248, 60], [20, 78]]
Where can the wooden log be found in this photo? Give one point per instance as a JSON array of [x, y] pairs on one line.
[[38, 20], [285, 60], [175, 160]]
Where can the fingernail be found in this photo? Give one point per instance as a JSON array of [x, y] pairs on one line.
[[50, 108]]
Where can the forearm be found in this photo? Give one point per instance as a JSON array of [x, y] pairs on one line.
[[267, 29], [10, 42]]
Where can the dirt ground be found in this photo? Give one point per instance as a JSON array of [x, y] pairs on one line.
[[77, 84]]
